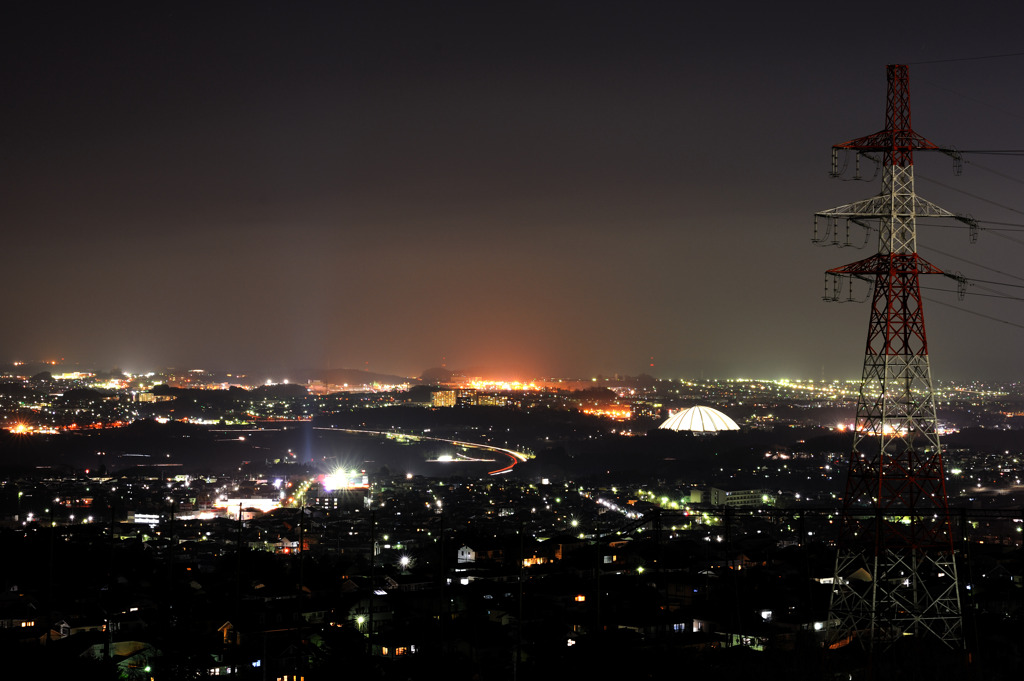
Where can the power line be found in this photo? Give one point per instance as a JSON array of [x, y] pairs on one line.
[[995, 283], [971, 262], [1011, 178], [1008, 238], [973, 196], [1011, 226], [1005, 112], [977, 314], [969, 293], [956, 59], [994, 294], [994, 230]]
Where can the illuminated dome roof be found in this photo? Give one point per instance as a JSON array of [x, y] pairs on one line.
[[700, 420]]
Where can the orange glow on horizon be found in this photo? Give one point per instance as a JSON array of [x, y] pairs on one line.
[[501, 385]]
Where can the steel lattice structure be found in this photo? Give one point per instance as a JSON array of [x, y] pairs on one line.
[[895, 569]]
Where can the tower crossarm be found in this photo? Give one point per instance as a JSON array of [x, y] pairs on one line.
[[897, 141], [885, 264], [888, 140], [881, 206]]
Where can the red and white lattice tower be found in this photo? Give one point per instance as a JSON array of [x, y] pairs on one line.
[[895, 570]]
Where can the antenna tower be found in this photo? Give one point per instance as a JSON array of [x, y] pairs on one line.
[[895, 572]]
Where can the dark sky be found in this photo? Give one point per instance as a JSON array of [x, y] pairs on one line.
[[555, 188]]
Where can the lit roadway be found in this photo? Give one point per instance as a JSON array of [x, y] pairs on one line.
[[514, 456]]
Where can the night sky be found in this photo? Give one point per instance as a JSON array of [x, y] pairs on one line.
[[523, 188]]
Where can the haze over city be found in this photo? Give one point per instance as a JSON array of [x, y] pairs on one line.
[[530, 189], [504, 340]]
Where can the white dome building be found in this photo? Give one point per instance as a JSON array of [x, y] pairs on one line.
[[699, 420]]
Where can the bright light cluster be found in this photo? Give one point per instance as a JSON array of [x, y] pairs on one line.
[[28, 429], [342, 479], [619, 413], [502, 386]]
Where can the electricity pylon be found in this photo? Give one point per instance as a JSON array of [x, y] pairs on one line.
[[895, 571]]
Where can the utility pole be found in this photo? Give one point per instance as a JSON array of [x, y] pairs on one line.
[[373, 578]]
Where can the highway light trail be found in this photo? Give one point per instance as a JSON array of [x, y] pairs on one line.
[[514, 456]]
